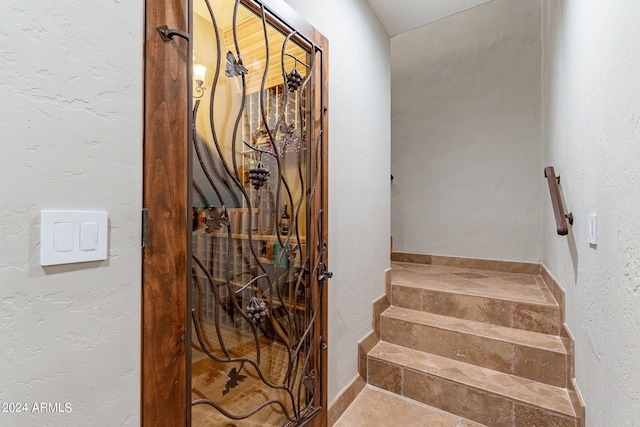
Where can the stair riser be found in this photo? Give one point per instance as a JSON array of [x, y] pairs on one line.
[[527, 362], [461, 399], [519, 315]]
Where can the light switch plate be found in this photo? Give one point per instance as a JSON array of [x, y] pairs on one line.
[[68, 237]]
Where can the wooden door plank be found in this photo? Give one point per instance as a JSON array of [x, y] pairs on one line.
[[164, 292]]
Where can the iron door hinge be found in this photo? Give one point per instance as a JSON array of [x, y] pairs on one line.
[[145, 227]]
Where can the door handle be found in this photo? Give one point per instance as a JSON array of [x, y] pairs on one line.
[[324, 274]]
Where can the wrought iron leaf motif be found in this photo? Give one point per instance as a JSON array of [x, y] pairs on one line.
[[234, 67], [216, 218], [287, 129], [308, 380], [235, 377], [292, 252]]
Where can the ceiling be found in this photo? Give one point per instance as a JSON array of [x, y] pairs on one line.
[[399, 16]]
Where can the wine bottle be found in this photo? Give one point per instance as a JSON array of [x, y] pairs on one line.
[[284, 221]]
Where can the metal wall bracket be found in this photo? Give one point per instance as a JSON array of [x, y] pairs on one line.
[[168, 34], [569, 217]]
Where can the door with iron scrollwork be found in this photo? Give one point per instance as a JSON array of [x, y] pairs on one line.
[[255, 324]]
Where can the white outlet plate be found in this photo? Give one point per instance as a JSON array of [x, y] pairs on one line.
[[592, 229], [67, 237]]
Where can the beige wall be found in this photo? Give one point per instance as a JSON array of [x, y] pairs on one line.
[[466, 153], [592, 92], [71, 138], [359, 145]]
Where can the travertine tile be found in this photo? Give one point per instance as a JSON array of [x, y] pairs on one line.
[[384, 375], [397, 331], [522, 337], [413, 258], [374, 407], [540, 365], [507, 299], [346, 397], [473, 349], [540, 318], [508, 386], [476, 337], [482, 283], [457, 399], [483, 264], [527, 416], [404, 296]]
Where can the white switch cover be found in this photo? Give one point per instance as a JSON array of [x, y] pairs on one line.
[[63, 236], [592, 229], [68, 237], [88, 236]]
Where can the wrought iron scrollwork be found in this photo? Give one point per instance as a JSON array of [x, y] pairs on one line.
[[257, 286]]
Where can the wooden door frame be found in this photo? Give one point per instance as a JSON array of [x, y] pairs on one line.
[[166, 260], [166, 256]]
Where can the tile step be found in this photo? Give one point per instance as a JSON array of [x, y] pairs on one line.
[[447, 299], [533, 355], [380, 408], [476, 393]]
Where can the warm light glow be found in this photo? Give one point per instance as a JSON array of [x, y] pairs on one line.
[[199, 73]]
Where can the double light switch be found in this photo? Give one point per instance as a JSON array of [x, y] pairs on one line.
[[72, 236]]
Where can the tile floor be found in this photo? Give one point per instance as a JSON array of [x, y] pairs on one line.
[[380, 408]]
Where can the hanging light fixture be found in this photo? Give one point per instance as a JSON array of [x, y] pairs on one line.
[[199, 74]]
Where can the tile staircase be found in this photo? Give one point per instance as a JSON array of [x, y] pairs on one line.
[[379, 408], [482, 345]]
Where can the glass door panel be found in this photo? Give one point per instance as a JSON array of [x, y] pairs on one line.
[[255, 353]]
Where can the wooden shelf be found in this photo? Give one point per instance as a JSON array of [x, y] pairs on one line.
[[258, 237]]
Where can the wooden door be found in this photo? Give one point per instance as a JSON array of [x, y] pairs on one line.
[[234, 274]]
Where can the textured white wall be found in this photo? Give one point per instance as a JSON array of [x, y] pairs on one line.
[[592, 65], [399, 16], [359, 132], [466, 152], [71, 132]]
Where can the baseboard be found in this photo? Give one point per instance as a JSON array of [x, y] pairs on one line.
[[344, 399], [407, 257], [379, 305], [387, 284], [349, 393], [462, 262], [578, 403], [364, 347], [556, 290], [567, 338]]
